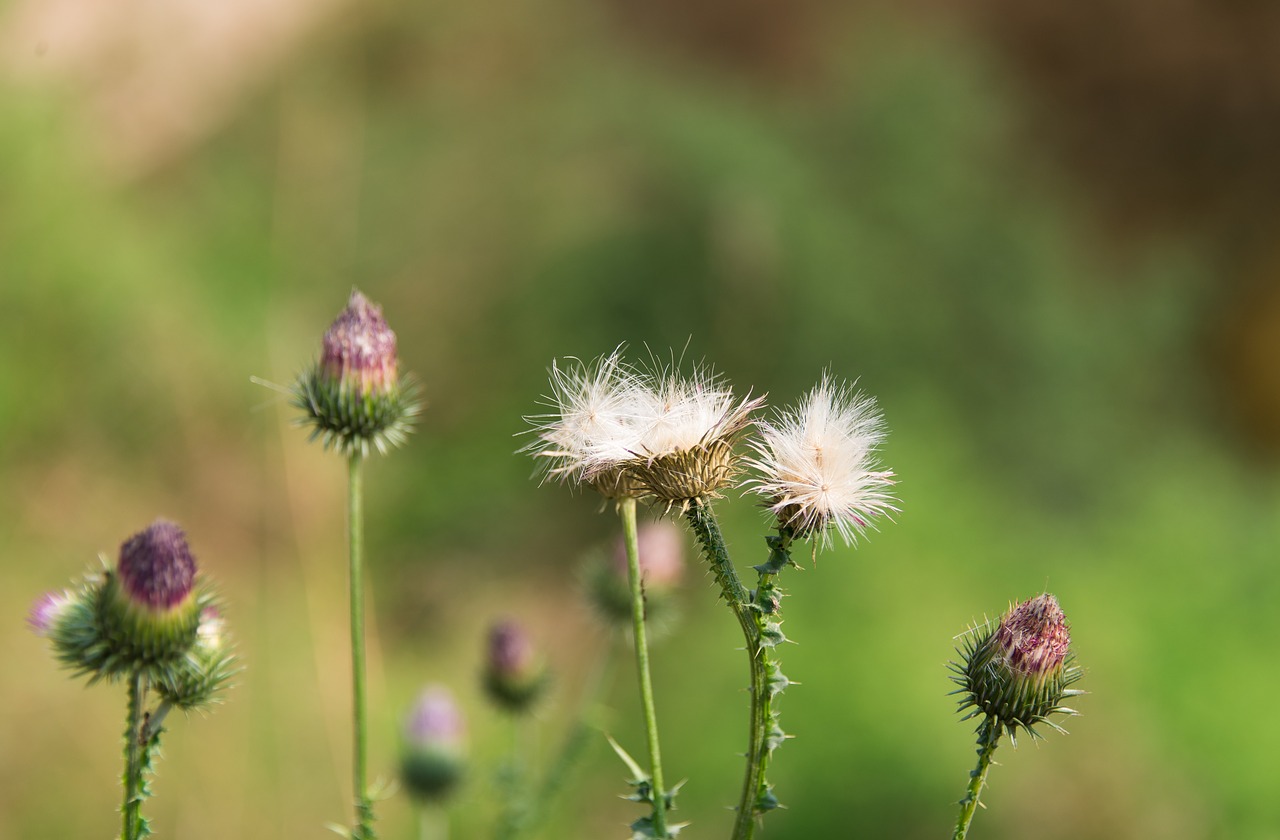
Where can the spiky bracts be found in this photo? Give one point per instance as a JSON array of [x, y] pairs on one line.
[[1019, 670], [353, 397], [1013, 675]]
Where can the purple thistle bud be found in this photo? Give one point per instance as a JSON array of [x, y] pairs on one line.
[[433, 751], [156, 567], [46, 611], [435, 721], [1018, 672], [661, 555], [514, 670], [360, 349], [1034, 637]]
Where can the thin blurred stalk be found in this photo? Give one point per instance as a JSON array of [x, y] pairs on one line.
[[627, 510], [355, 525]]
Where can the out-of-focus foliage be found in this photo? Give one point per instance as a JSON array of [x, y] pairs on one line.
[[534, 183]]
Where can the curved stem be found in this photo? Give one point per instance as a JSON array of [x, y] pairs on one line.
[[627, 510], [707, 530], [988, 738], [355, 537], [130, 809]]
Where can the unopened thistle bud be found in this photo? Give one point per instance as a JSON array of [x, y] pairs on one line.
[[353, 396], [148, 608], [515, 673], [433, 746], [1018, 672], [196, 681], [661, 557], [48, 611]]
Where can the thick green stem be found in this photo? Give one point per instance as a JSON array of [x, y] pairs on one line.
[[627, 509], [707, 530], [355, 525], [988, 738], [130, 809]]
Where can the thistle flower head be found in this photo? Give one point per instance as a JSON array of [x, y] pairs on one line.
[[592, 413], [1019, 671], [353, 396], [433, 745], [359, 349], [685, 429], [148, 610], [515, 673], [156, 568], [47, 611], [817, 468]]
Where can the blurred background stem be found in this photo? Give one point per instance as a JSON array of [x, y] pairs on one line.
[[355, 524]]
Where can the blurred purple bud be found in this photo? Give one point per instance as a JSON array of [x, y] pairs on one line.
[[156, 567], [46, 611], [515, 673], [661, 546], [360, 349]]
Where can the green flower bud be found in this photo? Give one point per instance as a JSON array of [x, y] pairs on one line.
[[1019, 671], [353, 396], [147, 609], [433, 746], [515, 674], [195, 681]]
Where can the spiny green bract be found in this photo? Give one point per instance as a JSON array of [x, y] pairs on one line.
[[1012, 699], [346, 418]]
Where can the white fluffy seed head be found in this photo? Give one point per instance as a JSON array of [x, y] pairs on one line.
[[817, 464], [592, 409]]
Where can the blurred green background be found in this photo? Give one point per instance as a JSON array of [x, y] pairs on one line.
[[1043, 238]]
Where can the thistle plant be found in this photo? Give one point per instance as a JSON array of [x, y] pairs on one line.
[[816, 473], [353, 399], [673, 439], [515, 678], [1013, 675], [150, 622], [433, 756], [585, 440]]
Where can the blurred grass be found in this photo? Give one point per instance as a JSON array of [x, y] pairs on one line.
[[520, 190]]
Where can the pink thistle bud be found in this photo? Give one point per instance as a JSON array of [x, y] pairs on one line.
[[359, 349], [1034, 637], [46, 612], [515, 673], [1018, 672], [433, 752], [661, 555]]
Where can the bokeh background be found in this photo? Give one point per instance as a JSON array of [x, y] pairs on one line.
[[1043, 235]]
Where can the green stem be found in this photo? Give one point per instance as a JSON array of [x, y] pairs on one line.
[[130, 809], [988, 738], [703, 522], [355, 525], [627, 509], [432, 825]]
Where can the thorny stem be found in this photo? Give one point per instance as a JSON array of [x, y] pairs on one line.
[[627, 510], [130, 809], [703, 522], [988, 738], [355, 524]]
